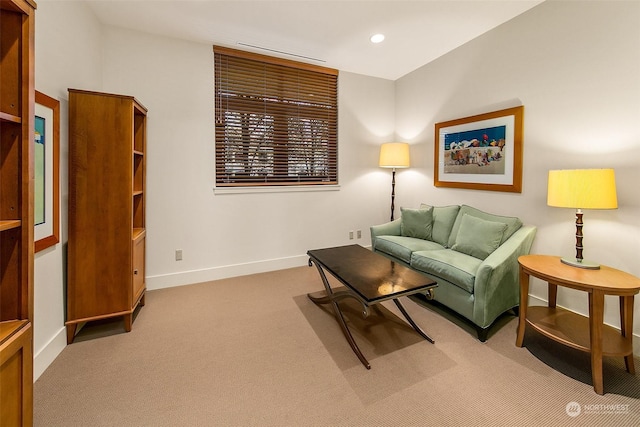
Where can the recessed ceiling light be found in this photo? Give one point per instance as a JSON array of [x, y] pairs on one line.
[[377, 38]]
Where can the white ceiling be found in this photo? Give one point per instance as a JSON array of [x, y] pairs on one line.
[[332, 33]]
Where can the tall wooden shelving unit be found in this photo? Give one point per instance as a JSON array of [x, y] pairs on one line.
[[17, 98], [107, 166]]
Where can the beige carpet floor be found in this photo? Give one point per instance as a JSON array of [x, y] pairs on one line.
[[255, 351]]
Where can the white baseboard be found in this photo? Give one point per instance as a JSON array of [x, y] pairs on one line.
[[541, 301], [48, 353], [216, 273]]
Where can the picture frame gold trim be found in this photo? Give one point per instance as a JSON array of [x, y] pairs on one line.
[[469, 174], [47, 233]]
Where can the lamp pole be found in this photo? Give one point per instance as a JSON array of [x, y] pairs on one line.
[[393, 191], [579, 235]]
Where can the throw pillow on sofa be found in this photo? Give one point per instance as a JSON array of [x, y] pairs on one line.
[[416, 223], [513, 223], [478, 237], [443, 219]]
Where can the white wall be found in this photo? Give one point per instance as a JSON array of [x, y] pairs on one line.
[[233, 234], [66, 56], [576, 74]]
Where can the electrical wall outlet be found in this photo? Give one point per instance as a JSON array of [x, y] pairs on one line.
[[178, 254], [359, 234], [351, 235]]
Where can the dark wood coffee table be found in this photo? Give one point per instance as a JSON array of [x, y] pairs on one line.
[[370, 278]]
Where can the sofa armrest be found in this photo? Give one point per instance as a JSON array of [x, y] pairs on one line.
[[497, 284], [388, 229]]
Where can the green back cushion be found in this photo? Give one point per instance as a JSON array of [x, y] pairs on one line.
[[513, 223], [478, 237], [416, 223], [443, 219]]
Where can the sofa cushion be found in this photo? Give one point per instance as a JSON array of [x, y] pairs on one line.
[[443, 219], [402, 247], [478, 237], [513, 223], [454, 267], [416, 222]]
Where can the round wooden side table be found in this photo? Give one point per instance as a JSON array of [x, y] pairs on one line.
[[571, 329]]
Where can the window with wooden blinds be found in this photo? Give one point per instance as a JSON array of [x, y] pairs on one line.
[[276, 121]]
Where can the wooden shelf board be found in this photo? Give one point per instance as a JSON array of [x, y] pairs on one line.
[[8, 224], [137, 233], [138, 192], [572, 329], [6, 117], [9, 328], [138, 153]]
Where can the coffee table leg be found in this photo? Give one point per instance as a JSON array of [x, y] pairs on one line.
[[331, 298], [412, 323]]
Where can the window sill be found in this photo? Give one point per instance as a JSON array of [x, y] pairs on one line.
[[275, 189]]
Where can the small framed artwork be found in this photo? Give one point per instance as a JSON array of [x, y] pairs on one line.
[[46, 207], [482, 152]]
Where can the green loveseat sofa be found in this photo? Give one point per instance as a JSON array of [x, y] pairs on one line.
[[473, 255]]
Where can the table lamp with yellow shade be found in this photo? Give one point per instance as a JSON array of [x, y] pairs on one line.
[[582, 189]]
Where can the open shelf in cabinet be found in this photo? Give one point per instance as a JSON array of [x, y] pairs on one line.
[[10, 173], [12, 294], [138, 173], [138, 210], [139, 129], [10, 72]]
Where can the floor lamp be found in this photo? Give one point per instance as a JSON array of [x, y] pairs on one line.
[[582, 189], [394, 155]]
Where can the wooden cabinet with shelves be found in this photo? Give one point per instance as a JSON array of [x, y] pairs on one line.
[[106, 266], [17, 98]]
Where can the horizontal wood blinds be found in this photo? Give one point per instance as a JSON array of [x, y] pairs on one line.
[[276, 121]]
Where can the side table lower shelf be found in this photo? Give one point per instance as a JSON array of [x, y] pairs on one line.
[[572, 330]]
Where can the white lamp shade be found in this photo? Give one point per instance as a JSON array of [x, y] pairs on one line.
[[582, 189], [394, 155]]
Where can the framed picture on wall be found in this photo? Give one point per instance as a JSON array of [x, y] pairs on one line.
[[482, 152], [46, 205]]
